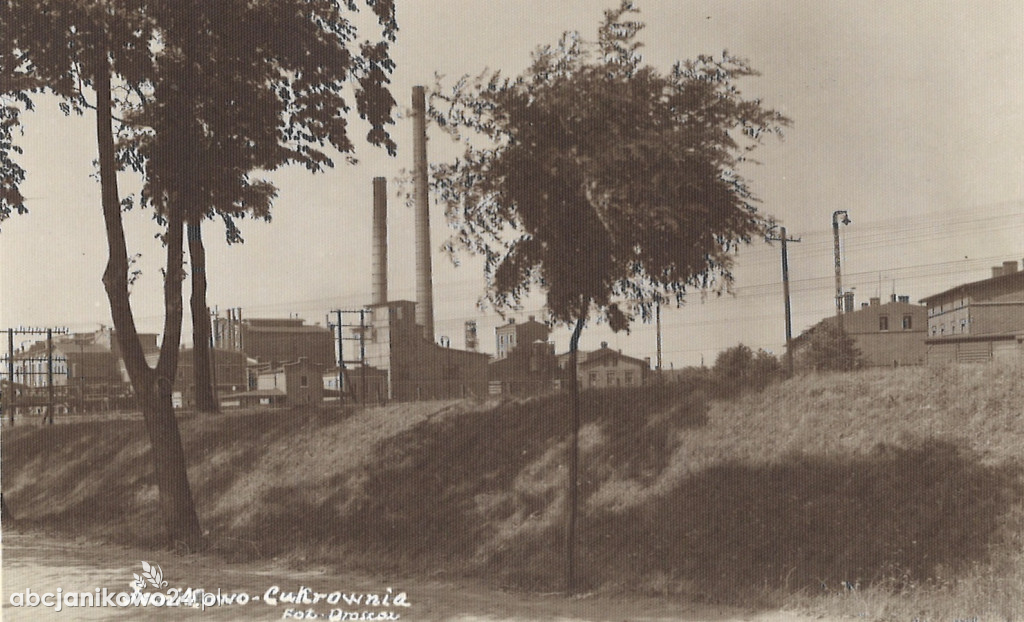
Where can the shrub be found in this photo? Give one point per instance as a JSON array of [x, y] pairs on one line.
[[740, 367], [832, 349]]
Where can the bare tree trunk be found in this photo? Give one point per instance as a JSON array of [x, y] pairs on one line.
[[152, 386], [574, 453], [202, 361]]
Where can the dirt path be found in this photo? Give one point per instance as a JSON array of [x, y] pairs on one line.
[[38, 564]]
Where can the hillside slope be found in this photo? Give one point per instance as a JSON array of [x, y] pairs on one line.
[[899, 482]]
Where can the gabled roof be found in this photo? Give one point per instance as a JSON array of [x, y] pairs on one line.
[[1006, 282], [595, 357]]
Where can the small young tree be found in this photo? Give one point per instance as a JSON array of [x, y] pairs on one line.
[[603, 182]]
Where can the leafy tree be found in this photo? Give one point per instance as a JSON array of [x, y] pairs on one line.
[[832, 349], [603, 182], [224, 119], [733, 365], [739, 367], [207, 93], [764, 369]]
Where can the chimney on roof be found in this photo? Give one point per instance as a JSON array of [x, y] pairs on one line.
[[604, 344], [997, 271], [531, 318], [905, 299], [863, 305], [848, 302], [1009, 267], [875, 301], [892, 297]]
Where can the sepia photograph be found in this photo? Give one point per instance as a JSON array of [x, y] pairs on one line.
[[519, 310]]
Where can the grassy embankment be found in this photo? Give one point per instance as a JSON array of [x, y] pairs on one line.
[[887, 493]]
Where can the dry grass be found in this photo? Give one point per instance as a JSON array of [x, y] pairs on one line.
[[887, 494]]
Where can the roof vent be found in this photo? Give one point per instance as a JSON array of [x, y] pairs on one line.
[[997, 271]]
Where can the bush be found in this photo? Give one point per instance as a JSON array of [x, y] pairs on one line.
[[832, 349], [740, 367]]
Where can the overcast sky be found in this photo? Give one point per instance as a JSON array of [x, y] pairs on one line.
[[909, 115]]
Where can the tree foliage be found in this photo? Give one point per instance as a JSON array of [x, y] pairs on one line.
[[739, 367], [245, 87], [204, 93], [832, 349], [601, 180]]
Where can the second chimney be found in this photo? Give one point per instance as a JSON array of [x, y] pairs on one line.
[[1009, 267], [421, 215], [380, 241]]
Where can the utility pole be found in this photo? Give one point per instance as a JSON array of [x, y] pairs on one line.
[[657, 322], [48, 418], [785, 292], [446, 343], [344, 382], [839, 271], [341, 359], [214, 319], [362, 351], [9, 393]]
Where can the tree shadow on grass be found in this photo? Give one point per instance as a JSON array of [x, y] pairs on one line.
[[438, 495], [895, 516]]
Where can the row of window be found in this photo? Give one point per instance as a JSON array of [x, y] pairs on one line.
[[883, 322], [611, 379], [941, 330]]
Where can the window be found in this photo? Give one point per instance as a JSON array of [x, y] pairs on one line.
[[593, 377], [629, 378], [908, 322], [610, 379], [883, 322], [303, 381]]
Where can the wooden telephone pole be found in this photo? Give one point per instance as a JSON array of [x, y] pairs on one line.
[[785, 291]]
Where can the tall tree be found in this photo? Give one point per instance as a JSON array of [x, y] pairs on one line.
[[70, 48], [212, 91], [603, 182], [275, 95]]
